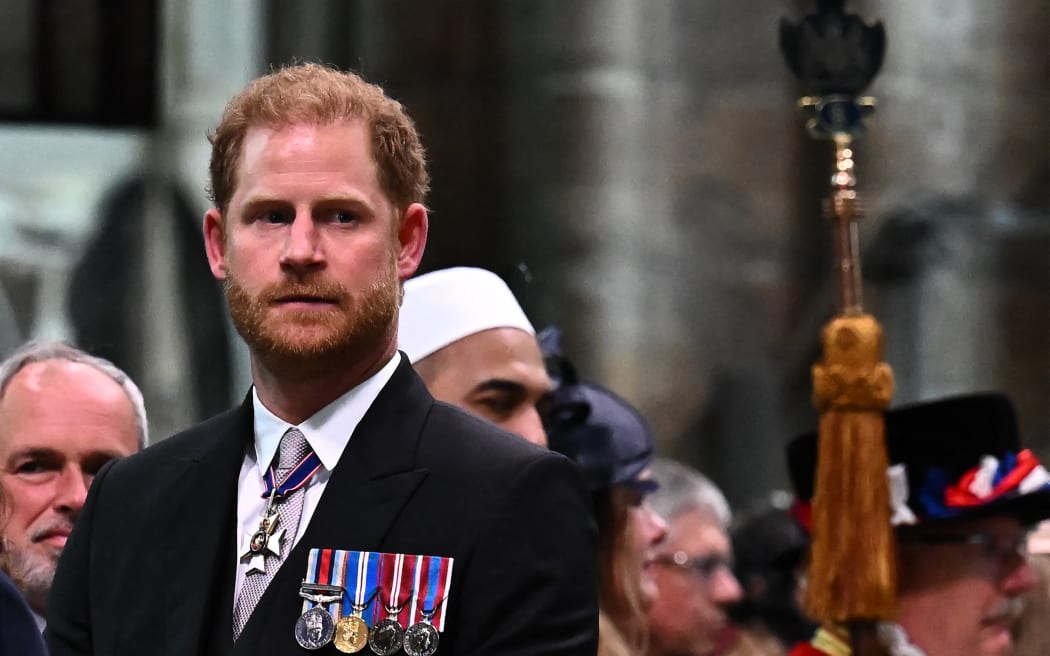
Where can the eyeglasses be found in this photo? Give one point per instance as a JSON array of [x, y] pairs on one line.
[[1000, 548], [703, 566]]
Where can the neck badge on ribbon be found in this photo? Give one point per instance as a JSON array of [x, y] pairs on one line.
[[268, 539]]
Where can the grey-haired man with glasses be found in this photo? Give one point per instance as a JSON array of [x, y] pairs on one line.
[[693, 566]]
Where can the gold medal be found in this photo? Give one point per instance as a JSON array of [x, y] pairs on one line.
[[351, 634]]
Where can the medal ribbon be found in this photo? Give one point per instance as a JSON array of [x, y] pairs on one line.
[[425, 580], [395, 586], [364, 566], [298, 477], [324, 566], [433, 577], [338, 577]]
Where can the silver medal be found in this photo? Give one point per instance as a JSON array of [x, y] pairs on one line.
[[421, 639], [386, 637], [314, 629]]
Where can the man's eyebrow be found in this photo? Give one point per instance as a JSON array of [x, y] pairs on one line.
[[341, 199], [500, 385], [33, 453], [266, 199]]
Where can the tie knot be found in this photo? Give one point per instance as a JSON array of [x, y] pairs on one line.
[[292, 449]]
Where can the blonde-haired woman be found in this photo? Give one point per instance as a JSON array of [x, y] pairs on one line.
[[613, 447]]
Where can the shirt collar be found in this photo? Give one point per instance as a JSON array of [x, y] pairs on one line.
[[41, 623], [328, 430]]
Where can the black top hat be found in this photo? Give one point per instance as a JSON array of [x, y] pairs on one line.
[[955, 458]]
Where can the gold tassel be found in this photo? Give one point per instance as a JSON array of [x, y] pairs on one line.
[[852, 572]]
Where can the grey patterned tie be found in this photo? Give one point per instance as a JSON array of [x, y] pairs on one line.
[[292, 450]]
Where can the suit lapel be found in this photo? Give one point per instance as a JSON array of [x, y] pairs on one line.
[[373, 481], [375, 475], [202, 551]]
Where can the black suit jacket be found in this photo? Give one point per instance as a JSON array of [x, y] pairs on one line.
[[19, 635], [149, 568]]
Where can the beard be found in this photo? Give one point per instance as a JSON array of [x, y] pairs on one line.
[[32, 572], [353, 328]]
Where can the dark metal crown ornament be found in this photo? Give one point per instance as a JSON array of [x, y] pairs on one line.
[[835, 55], [832, 51]]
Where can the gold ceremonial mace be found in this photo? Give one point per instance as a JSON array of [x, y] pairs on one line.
[[852, 571]]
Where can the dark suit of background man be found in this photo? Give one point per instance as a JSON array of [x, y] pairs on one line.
[[20, 636], [318, 180]]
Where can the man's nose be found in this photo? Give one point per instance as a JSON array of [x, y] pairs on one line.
[[529, 425], [302, 248], [724, 587], [71, 490], [1019, 579]]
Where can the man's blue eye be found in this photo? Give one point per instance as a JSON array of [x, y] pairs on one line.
[[273, 217], [345, 217]]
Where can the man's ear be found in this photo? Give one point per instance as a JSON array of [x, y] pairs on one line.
[[215, 243], [412, 240]]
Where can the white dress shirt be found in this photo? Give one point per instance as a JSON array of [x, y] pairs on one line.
[[328, 432]]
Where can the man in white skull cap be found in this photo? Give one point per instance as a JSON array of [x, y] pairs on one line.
[[471, 343]]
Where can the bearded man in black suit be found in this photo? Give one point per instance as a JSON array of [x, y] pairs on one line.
[[234, 536]]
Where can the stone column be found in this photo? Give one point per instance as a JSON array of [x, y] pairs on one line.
[[590, 193], [209, 50]]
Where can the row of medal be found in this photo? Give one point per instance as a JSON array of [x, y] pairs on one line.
[[386, 601]]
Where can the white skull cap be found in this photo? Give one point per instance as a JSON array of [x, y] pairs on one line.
[[444, 306]]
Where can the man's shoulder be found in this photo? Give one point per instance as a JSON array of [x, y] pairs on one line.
[[21, 634], [189, 445], [472, 458], [467, 436]]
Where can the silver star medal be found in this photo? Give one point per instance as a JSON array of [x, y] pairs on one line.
[[264, 542]]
